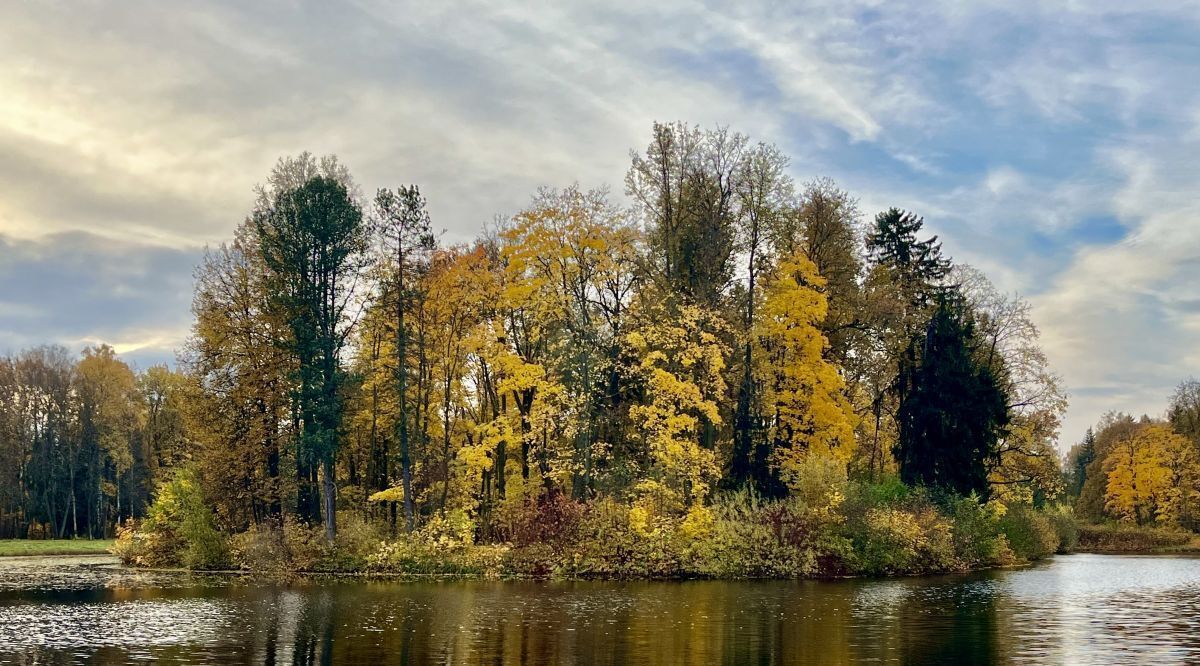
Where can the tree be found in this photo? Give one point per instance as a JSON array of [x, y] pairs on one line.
[[1152, 478], [680, 367], [1113, 429], [1079, 459], [824, 225], [685, 187], [899, 291], [238, 408], [108, 421], [1183, 411], [1027, 466], [808, 412], [313, 241], [164, 441], [404, 227], [570, 256], [952, 410], [764, 191], [916, 267]]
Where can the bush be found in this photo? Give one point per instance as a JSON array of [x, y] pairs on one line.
[[550, 517], [751, 538], [893, 540], [1062, 519], [179, 530], [1030, 533], [617, 541], [978, 539], [442, 546], [1130, 539]]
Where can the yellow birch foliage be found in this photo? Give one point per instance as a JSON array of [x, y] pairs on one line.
[[803, 393]]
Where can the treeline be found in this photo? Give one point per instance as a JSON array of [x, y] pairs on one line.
[[730, 331], [83, 441], [1144, 471]]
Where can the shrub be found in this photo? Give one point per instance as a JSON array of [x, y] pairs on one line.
[[1029, 532], [444, 545], [550, 517], [1129, 539], [751, 538], [178, 530], [978, 539], [616, 541], [1062, 519], [899, 541]]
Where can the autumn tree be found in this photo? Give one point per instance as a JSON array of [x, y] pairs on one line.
[[685, 187], [405, 231], [807, 410], [572, 254], [108, 422], [1151, 478], [824, 225], [239, 413], [764, 192], [680, 370], [313, 242], [1183, 410], [1026, 467], [1113, 429]]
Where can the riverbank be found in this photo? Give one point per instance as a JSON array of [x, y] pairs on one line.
[[867, 532], [26, 547], [1126, 540]]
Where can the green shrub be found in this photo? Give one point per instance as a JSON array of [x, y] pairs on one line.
[[1030, 533], [978, 539], [895, 540], [179, 529], [752, 538], [1062, 519]]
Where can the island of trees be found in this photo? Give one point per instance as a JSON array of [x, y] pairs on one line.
[[735, 375]]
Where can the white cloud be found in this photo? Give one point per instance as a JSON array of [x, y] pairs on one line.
[[146, 125]]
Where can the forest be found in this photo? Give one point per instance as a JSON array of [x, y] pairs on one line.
[[728, 373]]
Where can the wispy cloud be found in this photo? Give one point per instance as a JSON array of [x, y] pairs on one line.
[[1048, 144]]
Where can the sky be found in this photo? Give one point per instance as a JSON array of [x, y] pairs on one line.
[[1050, 144]]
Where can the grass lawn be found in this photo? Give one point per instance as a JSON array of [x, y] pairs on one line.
[[10, 547]]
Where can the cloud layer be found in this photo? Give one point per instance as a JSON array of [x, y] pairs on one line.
[[1051, 146]]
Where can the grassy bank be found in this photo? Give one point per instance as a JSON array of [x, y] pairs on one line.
[[1123, 539], [16, 547]]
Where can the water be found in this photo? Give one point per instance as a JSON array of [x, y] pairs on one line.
[[1076, 609]]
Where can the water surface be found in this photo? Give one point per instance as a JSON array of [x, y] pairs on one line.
[[1076, 609]]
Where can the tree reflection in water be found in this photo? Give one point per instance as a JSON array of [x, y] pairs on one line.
[[1074, 609]]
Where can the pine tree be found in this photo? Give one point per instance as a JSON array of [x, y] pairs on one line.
[[313, 242]]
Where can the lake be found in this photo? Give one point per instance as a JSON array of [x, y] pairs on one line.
[[1075, 609]]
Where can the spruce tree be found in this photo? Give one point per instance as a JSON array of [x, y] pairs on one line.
[[952, 410]]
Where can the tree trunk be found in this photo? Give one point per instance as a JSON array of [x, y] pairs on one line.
[[330, 499]]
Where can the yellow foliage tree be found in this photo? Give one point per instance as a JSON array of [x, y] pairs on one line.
[[681, 363], [1152, 478], [808, 412]]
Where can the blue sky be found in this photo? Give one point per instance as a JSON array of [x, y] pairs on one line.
[[1050, 144]]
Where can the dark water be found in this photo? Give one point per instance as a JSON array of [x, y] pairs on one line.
[[1076, 609]]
